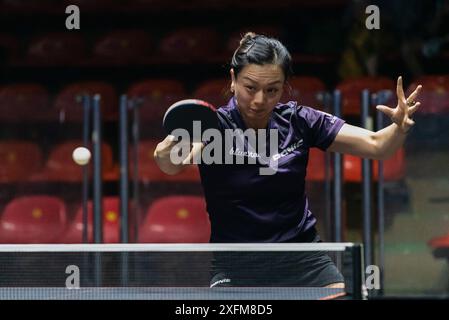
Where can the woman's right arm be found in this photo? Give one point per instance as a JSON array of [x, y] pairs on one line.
[[162, 155]]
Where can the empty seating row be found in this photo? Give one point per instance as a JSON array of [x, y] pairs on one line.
[[45, 219], [32, 102], [22, 161]]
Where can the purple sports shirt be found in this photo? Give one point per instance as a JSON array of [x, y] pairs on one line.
[[245, 206]]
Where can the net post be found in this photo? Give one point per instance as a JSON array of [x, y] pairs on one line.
[[337, 175], [123, 149], [97, 190], [357, 270], [366, 183], [124, 197], [86, 130], [135, 104]]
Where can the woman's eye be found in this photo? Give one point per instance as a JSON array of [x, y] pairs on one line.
[[272, 90], [250, 88]]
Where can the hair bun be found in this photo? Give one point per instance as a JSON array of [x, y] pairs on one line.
[[247, 36]]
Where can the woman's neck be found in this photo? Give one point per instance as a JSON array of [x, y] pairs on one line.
[[256, 124]]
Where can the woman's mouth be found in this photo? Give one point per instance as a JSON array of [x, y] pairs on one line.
[[256, 111]]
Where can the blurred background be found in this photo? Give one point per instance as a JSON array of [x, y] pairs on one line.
[[157, 52]]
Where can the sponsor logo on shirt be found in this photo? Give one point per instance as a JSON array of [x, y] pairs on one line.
[[248, 154], [331, 117], [288, 151]]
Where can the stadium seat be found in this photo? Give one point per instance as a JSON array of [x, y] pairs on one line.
[[176, 219], [439, 242], [432, 117], [351, 91], [190, 45], [24, 102], [316, 170], [33, 219], [68, 104], [57, 48], [61, 167], [156, 96], [123, 46], [306, 91], [434, 95], [111, 223], [150, 172], [394, 168], [214, 91], [18, 160]]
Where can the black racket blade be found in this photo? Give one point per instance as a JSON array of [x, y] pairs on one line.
[[182, 114]]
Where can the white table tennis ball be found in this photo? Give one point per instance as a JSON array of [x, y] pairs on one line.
[[81, 156]]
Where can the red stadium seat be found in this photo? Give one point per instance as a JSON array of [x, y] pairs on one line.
[[24, 102], [156, 96], [434, 96], [69, 107], [111, 223], [316, 170], [176, 219], [18, 160], [148, 169], [439, 242], [432, 117], [33, 219], [188, 45], [351, 90], [61, 167], [150, 172], [305, 90], [123, 46], [394, 168], [57, 48], [215, 91]]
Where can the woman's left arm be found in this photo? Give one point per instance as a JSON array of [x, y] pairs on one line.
[[384, 143]]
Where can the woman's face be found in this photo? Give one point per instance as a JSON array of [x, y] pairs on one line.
[[257, 89]]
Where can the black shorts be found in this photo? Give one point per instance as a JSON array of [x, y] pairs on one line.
[[280, 269]]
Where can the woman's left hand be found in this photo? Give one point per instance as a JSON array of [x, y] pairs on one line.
[[404, 110]]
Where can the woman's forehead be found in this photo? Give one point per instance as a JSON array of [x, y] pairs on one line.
[[262, 74]]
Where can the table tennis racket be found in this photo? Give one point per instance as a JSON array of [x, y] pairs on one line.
[[182, 114]]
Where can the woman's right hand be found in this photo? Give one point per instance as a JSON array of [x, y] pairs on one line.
[[163, 151]]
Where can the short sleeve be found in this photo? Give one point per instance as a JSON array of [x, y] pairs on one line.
[[320, 127]]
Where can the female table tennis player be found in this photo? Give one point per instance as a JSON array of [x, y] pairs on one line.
[[245, 206]]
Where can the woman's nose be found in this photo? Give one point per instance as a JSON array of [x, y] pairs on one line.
[[259, 97]]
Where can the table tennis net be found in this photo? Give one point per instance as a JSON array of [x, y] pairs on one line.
[[172, 266]]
